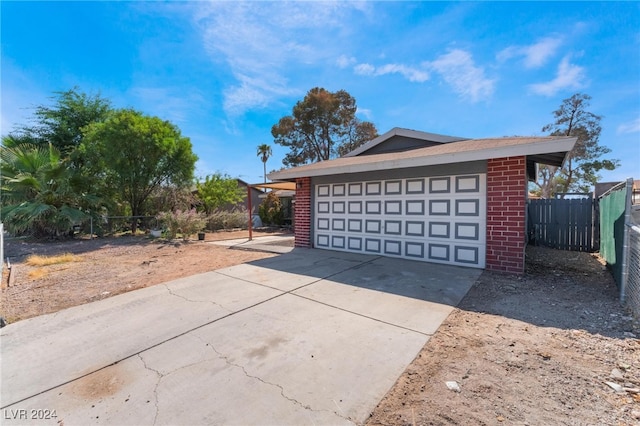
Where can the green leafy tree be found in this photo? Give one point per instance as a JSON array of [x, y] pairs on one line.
[[270, 210], [218, 190], [264, 152], [61, 124], [137, 154], [319, 126], [39, 192], [582, 164]]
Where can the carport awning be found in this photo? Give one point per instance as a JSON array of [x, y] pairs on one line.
[[290, 186], [287, 186]]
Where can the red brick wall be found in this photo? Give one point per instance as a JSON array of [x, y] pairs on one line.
[[302, 213], [506, 204]]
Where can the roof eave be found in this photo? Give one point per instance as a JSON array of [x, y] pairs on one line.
[[382, 162]]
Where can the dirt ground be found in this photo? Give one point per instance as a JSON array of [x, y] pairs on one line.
[[532, 350], [106, 267]]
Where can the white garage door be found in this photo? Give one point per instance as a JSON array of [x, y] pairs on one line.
[[435, 219]]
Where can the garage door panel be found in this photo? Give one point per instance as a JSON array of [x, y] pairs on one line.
[[355, 225], [414, 249], [322, 240], [372, 245], [440, 185], [355, 189], [393, 227], [467, 231], [414, 186], [393, 247], [393, 187], [355, 243], [437, 219], [467, 183]]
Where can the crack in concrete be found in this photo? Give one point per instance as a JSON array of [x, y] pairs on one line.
[[171, 292], [281, 388], [155, 389]]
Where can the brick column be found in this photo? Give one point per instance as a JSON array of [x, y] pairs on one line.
[[302, 213], [506, 204]]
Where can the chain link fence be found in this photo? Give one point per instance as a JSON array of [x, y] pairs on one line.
[[633, 270], [620, 241]]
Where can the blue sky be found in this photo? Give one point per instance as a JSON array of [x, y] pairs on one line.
[[225, 72]]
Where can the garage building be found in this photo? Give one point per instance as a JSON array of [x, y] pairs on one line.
[[425, 197]]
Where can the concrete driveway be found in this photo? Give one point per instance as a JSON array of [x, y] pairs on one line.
[[308, 337]]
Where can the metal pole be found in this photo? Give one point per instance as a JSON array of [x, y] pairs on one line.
[[250, 212]]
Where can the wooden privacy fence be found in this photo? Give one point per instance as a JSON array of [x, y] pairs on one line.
[[564, 224]]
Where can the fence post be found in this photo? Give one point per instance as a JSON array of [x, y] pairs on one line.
[[626, 240]]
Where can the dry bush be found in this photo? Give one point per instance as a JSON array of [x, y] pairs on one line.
[[37, 260]]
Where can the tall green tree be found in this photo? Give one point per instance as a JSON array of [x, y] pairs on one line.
[[218, 190], [582, 164], [61, 124], [40, 194], [138, 154], [264, 152], [319, 126]]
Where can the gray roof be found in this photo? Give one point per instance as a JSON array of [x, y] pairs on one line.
[[398, 131], [548, 150]]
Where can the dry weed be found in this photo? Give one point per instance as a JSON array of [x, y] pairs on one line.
[[37, 260], [36, 274]]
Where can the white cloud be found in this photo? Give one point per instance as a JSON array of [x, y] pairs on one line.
[[254, 92], [630, 127], [345, 61], [364, 69], [365, 112], [414, 75], [568, 76], [261, 42], [458, 69], [410, 73], [535, 55]]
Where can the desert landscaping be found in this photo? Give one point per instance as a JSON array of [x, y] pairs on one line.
[[551, 347]]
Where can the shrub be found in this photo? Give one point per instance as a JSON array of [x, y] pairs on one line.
[[221, 219], [271, 211], [186, 222]]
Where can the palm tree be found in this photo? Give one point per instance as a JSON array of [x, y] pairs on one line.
[[39, 192], [264, 150]]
